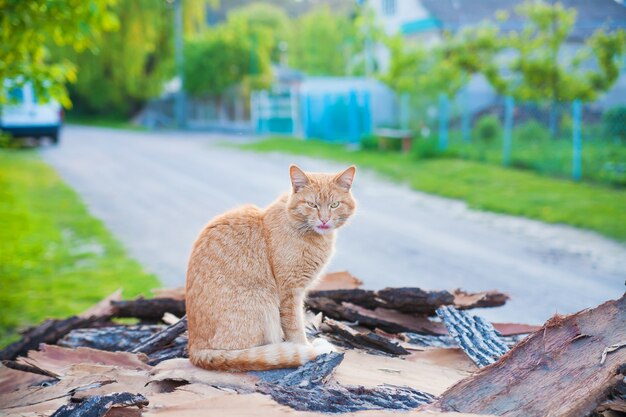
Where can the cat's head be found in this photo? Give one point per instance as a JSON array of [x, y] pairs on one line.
[[320, 202]]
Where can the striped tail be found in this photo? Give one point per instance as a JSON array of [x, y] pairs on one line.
[[259, 358]]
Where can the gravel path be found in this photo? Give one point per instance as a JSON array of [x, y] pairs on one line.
[[155, 191]]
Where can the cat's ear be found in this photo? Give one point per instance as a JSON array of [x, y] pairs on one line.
[[299, 180], [344, 179]]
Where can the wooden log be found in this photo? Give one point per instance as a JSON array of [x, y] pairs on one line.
[[148, 309], [342, 399], [48, 332], [162, 338], [387, 320], [414, 300], [110, 338], [363, 340], [555, 371], [177, 350], [364, 298], [98, 406], [477, 337]]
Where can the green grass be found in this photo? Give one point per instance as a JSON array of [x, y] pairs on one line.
[[483, 186], [102, 121], [55, 258]]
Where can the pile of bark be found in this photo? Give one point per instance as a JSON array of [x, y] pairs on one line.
[[401, 349]]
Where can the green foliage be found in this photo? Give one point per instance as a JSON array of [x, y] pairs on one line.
[[130, 65], [615, 122], [488, 129], [263, 19], [228, 54], [539, 68], [55, 259], [321, 43], [369, 143], [30, 27], [531, 131], [482, 186]]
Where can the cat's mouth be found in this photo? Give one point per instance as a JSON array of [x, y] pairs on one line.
[[323, 228]]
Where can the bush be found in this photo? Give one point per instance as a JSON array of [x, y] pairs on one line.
[[531, 131], [424, 148], [369, 143], [615, 122], [487, 129]]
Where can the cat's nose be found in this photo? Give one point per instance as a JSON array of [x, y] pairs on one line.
[[324, 222]]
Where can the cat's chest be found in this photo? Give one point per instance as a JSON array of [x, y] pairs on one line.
[[298, 259]]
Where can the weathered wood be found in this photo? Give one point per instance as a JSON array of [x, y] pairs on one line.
[[387, 320], [555, 371], [148, 309], [162, 338], [99, 405], [363, 340], [313, 372], [414, 300], [343, 399], [26, 367], [110, 338], [48, 332], [478, 339], [364, 298], [178, 349]]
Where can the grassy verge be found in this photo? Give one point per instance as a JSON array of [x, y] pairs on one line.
[[482, 186], [55, 259], [102, 121]]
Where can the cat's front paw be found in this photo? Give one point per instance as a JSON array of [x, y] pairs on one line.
[[322, 346]]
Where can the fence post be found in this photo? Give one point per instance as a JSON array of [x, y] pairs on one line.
[[296, 119], [576, 140], [509, 105], [465, 115], [443, 122]]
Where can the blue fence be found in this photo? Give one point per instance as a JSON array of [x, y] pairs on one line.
[[336, 117]]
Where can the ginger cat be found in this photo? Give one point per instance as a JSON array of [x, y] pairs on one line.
[[249, 273]]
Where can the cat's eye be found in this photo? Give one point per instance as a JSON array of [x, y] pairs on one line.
[[335, 204], [311, 204]]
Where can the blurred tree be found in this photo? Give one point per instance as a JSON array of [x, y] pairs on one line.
[[320, 44], [129, 66], [28, 27], [540, 67], [445, 67], [229, 54], [262, 19]]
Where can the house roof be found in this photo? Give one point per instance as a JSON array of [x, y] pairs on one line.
[[592, 14]]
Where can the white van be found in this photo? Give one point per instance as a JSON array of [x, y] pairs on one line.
[[25, 116]]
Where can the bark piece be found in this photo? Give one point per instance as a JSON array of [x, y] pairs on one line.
[[414, 300], [555, 371], [162, 338], [313, 372], [58, 360], [102, 308], [363, 298], [464, 300], [12, 379], [99, 405], [340, 399], [110, 338], [148, 309], [369, 341], [48, 332], [477, 337], [387, 320]]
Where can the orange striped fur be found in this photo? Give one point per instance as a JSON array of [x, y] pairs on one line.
[[249, 272]]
